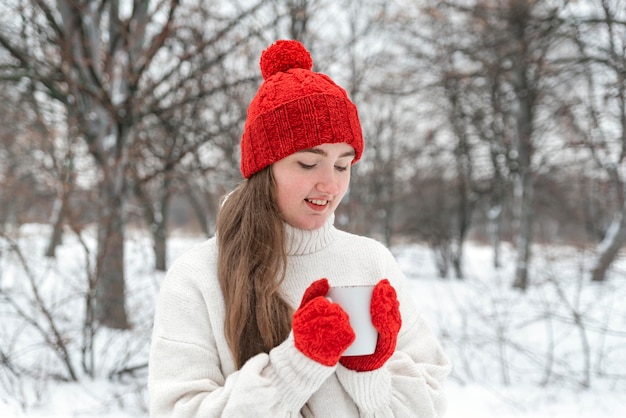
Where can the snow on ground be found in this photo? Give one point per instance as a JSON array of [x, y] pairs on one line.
[[558, 350]]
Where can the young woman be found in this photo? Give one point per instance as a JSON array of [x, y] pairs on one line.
[[242, 325]]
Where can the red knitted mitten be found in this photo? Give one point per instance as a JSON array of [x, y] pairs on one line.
[[385, 310], [321, 329]]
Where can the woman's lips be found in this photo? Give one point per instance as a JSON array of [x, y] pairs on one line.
[[317, 204]]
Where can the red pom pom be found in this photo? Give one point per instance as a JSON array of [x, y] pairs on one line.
[[284, 55]]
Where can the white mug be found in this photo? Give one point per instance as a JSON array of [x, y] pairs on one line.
[[356, 301]]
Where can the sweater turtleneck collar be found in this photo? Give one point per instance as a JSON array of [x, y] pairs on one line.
[[303, 241]]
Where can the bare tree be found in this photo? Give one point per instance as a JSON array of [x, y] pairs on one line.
[[86, 59], [430, 207], [608, 150], [13, 156], [26, 176], [113, 65], [506, 46], [593, 113], [452, 83]]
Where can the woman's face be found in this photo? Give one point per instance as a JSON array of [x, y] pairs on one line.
[[311, 183]]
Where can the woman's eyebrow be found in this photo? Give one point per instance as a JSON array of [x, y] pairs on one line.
[[319, 151], [351, 153]]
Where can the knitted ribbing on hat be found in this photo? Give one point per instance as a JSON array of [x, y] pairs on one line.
[[295, 109]]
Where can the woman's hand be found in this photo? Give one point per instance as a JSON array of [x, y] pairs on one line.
[[385, 310], [321, 329]]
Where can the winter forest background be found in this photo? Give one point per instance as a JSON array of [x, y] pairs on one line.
[[495, 168]]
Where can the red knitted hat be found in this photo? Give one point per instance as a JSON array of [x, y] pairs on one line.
[[295, 109]]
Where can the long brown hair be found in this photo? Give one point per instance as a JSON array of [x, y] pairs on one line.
[[251, 266]]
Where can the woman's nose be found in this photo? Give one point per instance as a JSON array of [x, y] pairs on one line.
[[328, 182]]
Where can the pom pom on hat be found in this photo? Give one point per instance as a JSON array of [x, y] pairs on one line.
[[295, 109], [283, 56]]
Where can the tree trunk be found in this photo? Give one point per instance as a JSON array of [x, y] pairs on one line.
[[464, 214], [200, 211], [524, 234], [457, 261], [160, 234], [495, 215], [441, 253], [59, 210], [8, 193], [610, 246], [110, 294], [61, 207], [525, 186], [524, 121], [110, 308]]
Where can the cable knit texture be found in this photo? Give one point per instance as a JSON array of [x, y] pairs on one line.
[[192, 372], [294, 109], [321, 329], [385, 311]]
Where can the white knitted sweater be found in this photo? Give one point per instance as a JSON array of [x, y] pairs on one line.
[[192, 373]]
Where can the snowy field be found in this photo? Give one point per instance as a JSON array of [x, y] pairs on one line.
[[559, 350]]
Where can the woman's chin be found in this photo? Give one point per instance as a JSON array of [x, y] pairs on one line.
[[310, 222]]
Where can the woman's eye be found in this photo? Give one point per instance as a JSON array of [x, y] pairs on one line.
[[307, 166], [341, 168]]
